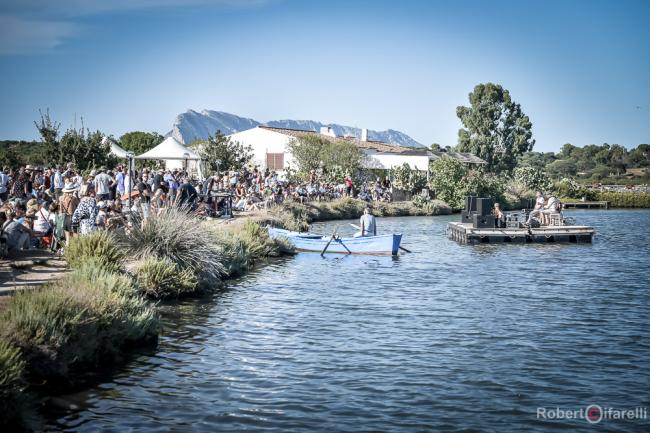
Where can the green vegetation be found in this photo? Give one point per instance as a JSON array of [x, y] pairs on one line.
[[140, 142], [100, 246], [625, 199], [348, 208], [12, 367], [180, 237], [495, 128], [408, 179], [220, 153], [161, 278], [76, 324], [333, 158]]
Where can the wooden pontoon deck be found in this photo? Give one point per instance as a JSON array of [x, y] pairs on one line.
[[466, 233]]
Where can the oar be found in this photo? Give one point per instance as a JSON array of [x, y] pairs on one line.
[[322, 253], [405, 250], [355, 226]]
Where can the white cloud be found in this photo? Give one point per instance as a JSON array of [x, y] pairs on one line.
[[72, 8], [37, 26], [25, 36]]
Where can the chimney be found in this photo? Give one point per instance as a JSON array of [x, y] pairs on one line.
[[364, 134], [326, 130]]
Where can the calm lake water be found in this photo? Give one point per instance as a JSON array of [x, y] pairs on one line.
[[449, 338]]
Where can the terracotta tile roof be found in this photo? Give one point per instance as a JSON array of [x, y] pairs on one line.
[[378, 146], [382, 147]]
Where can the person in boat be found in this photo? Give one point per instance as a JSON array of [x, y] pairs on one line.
[[499, 216], [368, 223]]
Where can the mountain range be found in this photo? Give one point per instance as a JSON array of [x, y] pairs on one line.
[[193, 125]]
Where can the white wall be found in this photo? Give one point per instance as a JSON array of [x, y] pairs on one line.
[[264, 141]]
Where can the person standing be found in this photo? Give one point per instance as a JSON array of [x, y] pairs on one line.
[[58, 182], [4, 185], [349, 186], [67, 205], [102, 184], [119, 180], [86, 213]]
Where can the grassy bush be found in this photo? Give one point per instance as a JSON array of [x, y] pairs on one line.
[[625, 199], [11, 371], [181, 238], [162, 278], [100, 245], [244, 244], [77, 323]]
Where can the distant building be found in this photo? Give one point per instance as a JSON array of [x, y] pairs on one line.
[[271, 149]]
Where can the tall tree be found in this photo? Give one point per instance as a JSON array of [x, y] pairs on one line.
[[495, 128], [49, 131], [219, 152], [139, 142]]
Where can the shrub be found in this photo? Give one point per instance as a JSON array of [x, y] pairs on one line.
[[162, 278], [100, 245], [11, 384], [625, 199], [77, 323], [180, 237], [407, 179]]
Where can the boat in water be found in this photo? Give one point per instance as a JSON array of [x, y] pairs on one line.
[[310, 242]]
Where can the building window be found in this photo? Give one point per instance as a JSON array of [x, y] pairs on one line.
[[275, 161]]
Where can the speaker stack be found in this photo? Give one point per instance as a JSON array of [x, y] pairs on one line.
[[483, 218], [466, 216]]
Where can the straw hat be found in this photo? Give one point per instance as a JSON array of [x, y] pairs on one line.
[[70, 188]]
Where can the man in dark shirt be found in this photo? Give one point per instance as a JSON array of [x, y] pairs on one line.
[[187, 193]]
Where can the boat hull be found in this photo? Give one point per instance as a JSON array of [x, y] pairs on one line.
[[370, 245]]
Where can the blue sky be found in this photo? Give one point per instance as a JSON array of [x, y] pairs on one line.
[[580, 69]]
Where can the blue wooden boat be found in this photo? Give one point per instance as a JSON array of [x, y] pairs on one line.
[[373, 245]]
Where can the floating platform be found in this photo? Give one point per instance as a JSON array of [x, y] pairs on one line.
[[467, 234]]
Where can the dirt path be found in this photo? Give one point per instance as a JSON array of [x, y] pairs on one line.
[[28, 269]]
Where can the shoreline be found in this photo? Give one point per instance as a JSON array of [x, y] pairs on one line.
[[98, 281]]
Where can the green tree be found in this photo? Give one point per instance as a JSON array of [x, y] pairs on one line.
[[307, 151], [335, 158], [561, 168], [435, 147], [49, 131], [533, 178], [85, 149], [219, 152], [140, 142], [640, 156], [495, 128], [408, 179]]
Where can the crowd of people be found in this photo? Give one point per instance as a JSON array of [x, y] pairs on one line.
[[42, 207]]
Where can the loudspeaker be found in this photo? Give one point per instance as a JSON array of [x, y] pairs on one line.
[[467, 217], [483, 221], [484, 206], [470, 203]]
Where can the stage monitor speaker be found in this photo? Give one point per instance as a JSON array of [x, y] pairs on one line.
[[483, 221], [470, 203], [484, 206]]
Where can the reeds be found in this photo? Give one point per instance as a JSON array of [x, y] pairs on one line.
[[161, 278]]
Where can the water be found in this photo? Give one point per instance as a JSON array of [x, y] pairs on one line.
[[449, 338]]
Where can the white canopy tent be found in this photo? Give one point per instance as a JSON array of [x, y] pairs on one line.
[[115, 149], [171, 150]]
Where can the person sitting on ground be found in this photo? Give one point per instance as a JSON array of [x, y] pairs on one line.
[[102, 215], [537, 210], [368, 224], [499, 217], [17, 234]]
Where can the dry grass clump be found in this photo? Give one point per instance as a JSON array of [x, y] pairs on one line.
[[161, 278], [181, 238], [100, 245]]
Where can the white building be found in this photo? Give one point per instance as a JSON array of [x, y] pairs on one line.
[[270, 148]]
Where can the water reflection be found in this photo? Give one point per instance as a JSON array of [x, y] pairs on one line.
[[447, 338]]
